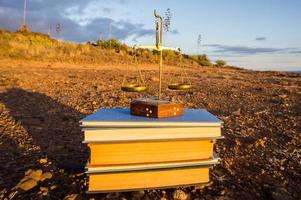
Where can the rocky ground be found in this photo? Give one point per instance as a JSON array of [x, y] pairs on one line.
[[42, 157]]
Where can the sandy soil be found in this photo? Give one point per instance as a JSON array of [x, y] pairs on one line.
[[41, 104]]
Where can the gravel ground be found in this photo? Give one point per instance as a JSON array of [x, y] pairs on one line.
[[40, 138]]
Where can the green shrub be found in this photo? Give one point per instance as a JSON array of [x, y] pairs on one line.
[[111, 44], [201, 60], [220, 63]]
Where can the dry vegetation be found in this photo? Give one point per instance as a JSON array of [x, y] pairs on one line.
[[41, 103], [40, 47]]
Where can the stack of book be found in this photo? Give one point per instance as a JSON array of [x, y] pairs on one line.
[[130, 152]]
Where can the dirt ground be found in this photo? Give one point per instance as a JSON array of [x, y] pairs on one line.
[[41, 104]]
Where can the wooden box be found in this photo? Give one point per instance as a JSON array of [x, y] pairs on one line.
[[148, 107]]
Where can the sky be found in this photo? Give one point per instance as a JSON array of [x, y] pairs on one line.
[[254, 34]]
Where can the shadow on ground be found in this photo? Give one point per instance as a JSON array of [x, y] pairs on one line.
[[52, 131]]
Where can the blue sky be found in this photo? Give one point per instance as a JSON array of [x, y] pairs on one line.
[[256, 34]]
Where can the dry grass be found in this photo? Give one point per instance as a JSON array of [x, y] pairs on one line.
[[41, 47]]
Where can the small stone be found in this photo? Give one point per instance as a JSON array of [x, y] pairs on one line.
[[200, 187], [44, 191], [43, 160], [283, 96], [71, 197], [36, 175], [45, 176], [28, 172], [154, 79], [113, 195], [27, 185], [53, 187], [180, 195], [261, 142], [237, 113], [80, 174], [138, 194], [11, 195], [43, 188]]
